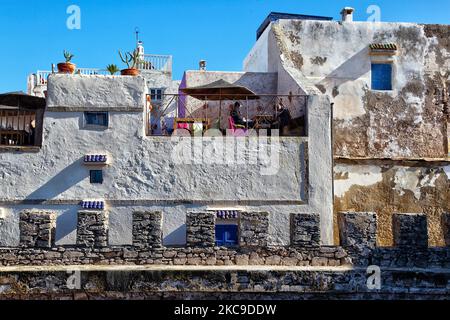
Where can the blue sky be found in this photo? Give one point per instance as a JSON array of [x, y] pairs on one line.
[[33, 33]]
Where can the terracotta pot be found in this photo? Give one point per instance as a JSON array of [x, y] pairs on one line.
[[66, 67], [129, 72]]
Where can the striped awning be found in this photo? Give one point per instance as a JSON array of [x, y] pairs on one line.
[[383, 46]]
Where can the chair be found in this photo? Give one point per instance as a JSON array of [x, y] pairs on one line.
[[237, 130]]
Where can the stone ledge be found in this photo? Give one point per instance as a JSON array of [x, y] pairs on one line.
[[150, 282]]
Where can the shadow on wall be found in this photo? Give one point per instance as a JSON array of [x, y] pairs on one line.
[[351, 70], [176, 237], [66, 227], [60, 183]]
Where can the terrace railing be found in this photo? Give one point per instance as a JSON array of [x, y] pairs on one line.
[[156, 63], [42, 76], [174, 111]]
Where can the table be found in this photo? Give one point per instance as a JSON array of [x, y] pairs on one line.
[[263, 121], [190, 121]]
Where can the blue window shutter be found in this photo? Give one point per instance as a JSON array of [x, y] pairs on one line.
[[381, 76], [226, 235], [220, 235], [96, 118]]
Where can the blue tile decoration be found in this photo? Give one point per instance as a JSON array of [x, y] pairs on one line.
[[227, 214], [98, 158], [93, 205]]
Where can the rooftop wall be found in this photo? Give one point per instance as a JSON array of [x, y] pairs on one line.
[[408, 122]]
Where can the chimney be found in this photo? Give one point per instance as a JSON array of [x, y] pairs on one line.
[[347, 14], [202, 65]]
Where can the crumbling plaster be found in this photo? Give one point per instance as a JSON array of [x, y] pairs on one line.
[[388, 188], [373, 124]]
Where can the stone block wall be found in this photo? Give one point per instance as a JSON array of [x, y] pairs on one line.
[[358, 238], [37, 228], [358, 229], [200, 229], [358, 234], [410, 230], [305, 229], [92, 229], [254, 229], [147, 229]]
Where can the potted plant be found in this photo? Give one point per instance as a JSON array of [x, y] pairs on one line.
[[131, 60], [112, 69], [67, 67]]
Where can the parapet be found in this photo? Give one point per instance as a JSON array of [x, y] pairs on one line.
[[357, 235], [200, 229], [410, 230], [92, 229], [147, 229], [95, 93], [305, 229], [37, 228]]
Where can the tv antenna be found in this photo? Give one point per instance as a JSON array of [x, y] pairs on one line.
[[137, 31]]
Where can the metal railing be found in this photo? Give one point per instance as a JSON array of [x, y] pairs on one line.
[[156, 62], [42, 76], [175, 111], [91, 71], [16, 128]]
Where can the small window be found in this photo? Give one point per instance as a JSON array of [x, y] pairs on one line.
[[156, 94], [96, 176], [226, 235], [96, 119], [381, 76]]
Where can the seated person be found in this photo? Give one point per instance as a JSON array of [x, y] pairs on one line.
[[238, 119], [283, 118]]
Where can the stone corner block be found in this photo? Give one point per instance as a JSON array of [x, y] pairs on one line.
[[305, 229], [147, 229], [358, 229], [253, 229], [92, 229], [200, 229], [37, 228], [410, 230]]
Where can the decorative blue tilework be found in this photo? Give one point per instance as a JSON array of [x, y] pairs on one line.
[[95, 158], [227, 214], [93, 205]]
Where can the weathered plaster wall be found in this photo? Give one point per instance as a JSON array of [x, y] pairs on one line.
[[374, 124], [387, 188], [144, 167], [95, 92], [411, 122]]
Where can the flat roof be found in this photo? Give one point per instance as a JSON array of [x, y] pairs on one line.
[[274, 16]]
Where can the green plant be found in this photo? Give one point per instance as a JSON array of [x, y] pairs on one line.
[[68, 56], [129, 57], [112, 68]]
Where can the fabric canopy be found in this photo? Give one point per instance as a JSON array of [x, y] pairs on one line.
[[220, 90]]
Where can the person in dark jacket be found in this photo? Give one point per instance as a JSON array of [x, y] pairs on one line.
[[238, 119], [283, 118]]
